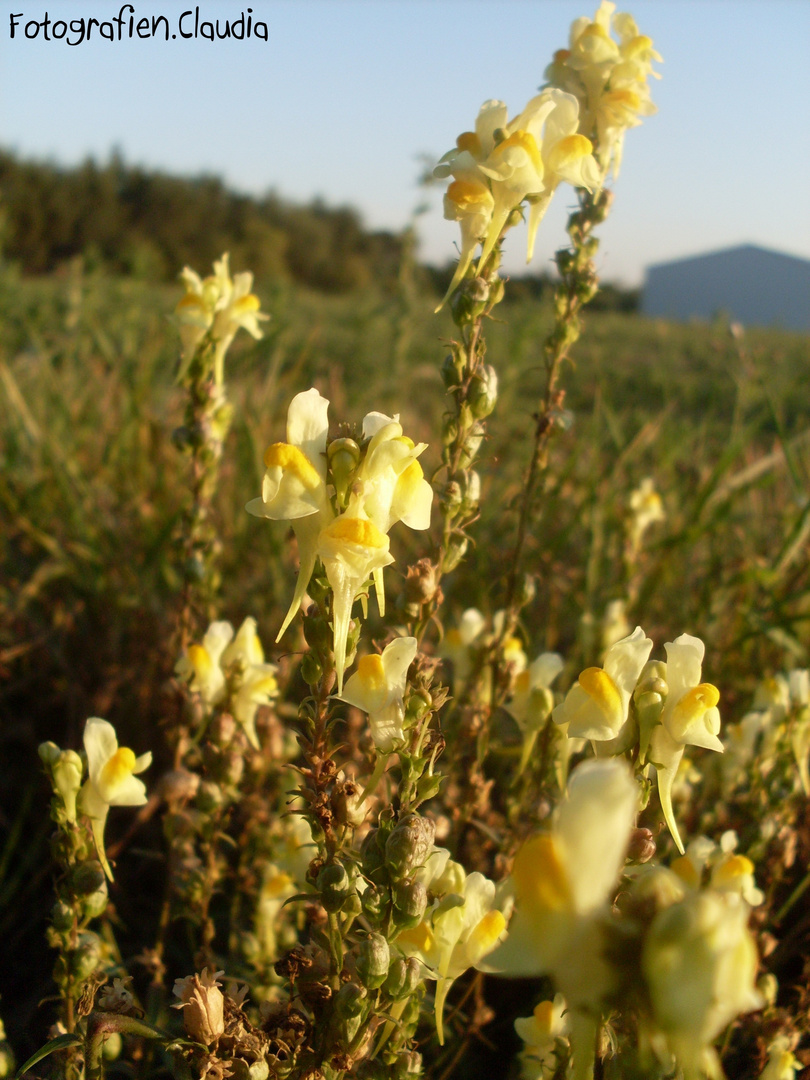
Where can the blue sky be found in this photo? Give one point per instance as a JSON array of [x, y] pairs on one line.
[[347, 94]]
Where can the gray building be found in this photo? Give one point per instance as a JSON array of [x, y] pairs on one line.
[[752, 285]]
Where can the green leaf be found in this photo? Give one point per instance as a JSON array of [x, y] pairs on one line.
[[61, 1042]]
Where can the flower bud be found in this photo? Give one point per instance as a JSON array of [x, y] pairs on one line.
[[407, 1065], [483, 392], [428, 787], [343, 456], [409, 844], [410, 904], [452, 496], [49, 753], [179, 785], [66, 773], [373, 960], [334, 886]]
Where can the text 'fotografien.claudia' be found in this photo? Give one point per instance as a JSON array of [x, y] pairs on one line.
[[126, 25]]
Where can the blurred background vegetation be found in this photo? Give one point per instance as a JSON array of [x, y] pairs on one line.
[[92, 487]]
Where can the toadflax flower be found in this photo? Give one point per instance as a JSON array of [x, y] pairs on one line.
[[294, 485], [543, 1034], [533, 700], [230, 671], [690, 718], [457, 933], [378, 688], [597, 705], [700, 964], [217, 305], [351, 549], [562, 881], [220, 305], [111, 779]]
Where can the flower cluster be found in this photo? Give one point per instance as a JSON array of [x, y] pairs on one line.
[[608, 79], [342, 498], [217, 305], [661, 708], [230, 672], [693, 965], [504, 162]]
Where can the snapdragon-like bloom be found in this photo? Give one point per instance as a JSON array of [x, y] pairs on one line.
[[700, 963], [378, 688], [597, 705], [220, 305], [543, 1034], [458, 932], [111, 779], [351, 550], [690, 718], [646, 509], [532, 701], [562, 880], [228, 670], [458, 644], [294, 485]]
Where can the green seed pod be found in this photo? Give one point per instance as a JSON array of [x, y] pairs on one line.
[[471, 489], [472, 444], [496, 291], [334, 886], [311, 669], [95, 903], [87, 877], [407, 1065], [456, 550], [410, 904], [316, 631], [451, 371], [408, 846], [62, 916], [87, 957], [417, 705], [483, 392], [373, 960], [372, 851], [452, 496], [350, 1000], [403, 977], [353, 907], [375, 901], [210, 797]]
